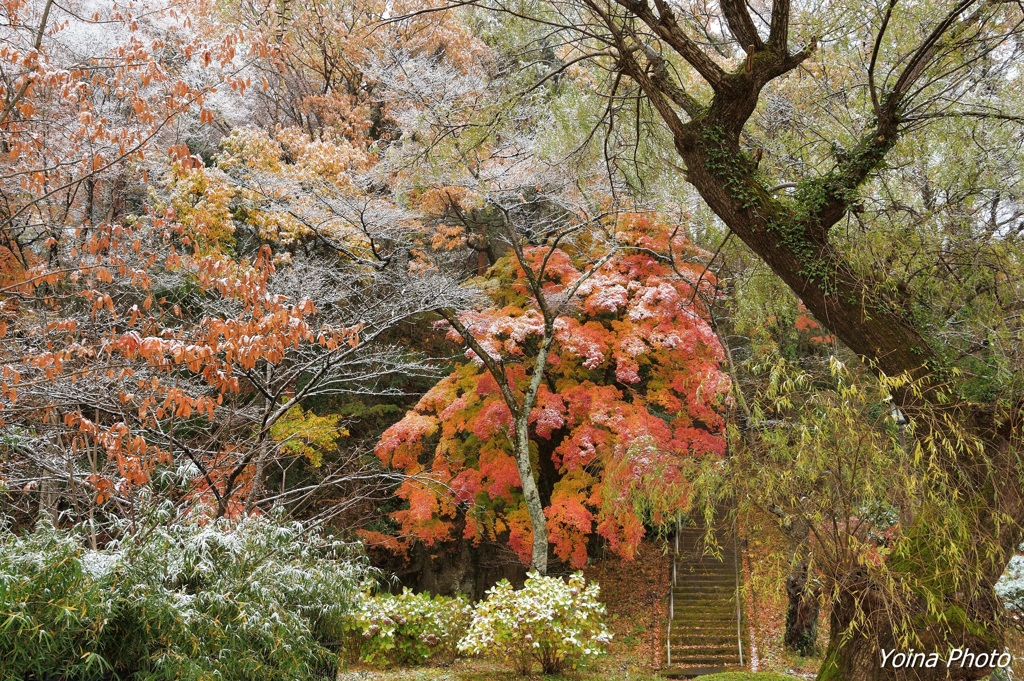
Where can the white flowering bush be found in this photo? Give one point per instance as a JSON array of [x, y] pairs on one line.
[[556, 623], [407, 628]]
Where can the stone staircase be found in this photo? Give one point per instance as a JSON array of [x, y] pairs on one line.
[[706, 632]]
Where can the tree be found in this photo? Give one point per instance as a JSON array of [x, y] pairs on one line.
[[594, 388], [186, 335], [67, 150], [710, 77]]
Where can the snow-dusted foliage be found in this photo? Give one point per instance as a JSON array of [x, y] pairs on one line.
[[557, 623], [190, 600], [1010, 587], [50, 607], [407, 628]]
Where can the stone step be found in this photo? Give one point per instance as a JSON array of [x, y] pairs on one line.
[[698, 610], [704, 636], [688, 622], [728, 647], [720, 638], [694, 605], [691, 672], [711, 567], [698, 545], [703, 651], [705, 589], [702, 549], [703, 633], [706, 576], [684, 596], [718, 621], [705, 581], [709, 661], [709, 605], [710, 629]]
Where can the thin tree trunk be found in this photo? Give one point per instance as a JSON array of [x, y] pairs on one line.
[[257, 477], [531, 494]]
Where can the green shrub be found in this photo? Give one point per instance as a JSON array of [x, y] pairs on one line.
[[408, 628], [265, 591], [188, 601], [51, 608], [558, 624]]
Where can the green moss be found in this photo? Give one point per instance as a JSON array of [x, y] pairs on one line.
[[738, 174], [732, 167], [829, 670]]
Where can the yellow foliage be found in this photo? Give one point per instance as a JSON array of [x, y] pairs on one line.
[[303, 433], [201, 200], [250, 148]]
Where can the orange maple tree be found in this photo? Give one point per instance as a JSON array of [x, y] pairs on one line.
[[631, 397]]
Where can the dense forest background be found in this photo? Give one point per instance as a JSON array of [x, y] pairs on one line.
[[449, 292]]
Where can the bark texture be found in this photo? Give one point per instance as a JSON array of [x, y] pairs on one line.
[[801, 635]]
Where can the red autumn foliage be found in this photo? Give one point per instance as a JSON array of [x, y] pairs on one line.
[[632, 396]]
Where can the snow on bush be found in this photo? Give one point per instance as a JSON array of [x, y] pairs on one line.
[[184, 599], [51, 610], [556, 623], [1010, 586], [407, 628]]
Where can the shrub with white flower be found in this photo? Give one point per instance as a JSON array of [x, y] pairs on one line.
[[556, 623], [407, 628]]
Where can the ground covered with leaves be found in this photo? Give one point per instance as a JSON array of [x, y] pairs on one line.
[[766, 613]]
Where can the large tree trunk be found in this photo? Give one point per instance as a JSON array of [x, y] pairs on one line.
[[861, 628], [878, 329], [980, 482]]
